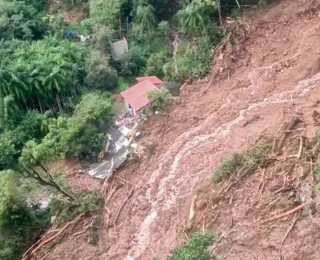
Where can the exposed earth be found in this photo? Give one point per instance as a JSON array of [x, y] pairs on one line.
[[269, 77]]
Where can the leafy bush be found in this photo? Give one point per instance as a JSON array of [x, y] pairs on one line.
[[243, 163], [262, 3], [102, 11], [196, 248], [155, 64], [134, 62], [19, 225], [160, 98], [100, 75], [40, 74], [12, 140], [20, 21], [90, 202], [196, 61], [81, 133]]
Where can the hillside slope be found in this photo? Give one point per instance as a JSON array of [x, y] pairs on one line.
[[259, 84]]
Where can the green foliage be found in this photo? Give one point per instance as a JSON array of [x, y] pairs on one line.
[[155, 64], [94, 231], [102, 37], [19, 225], [89, 202], [144, 19], [163, 29], [196, 248], [8, 109], [262, 3], [160, 98], [134, 62], [40, 74], [122, 85], [195, 17], [244, 163], [39, 5], [81, 133], [102, 11], [100, 75], [196, 61], [12, 140], [19, 20]]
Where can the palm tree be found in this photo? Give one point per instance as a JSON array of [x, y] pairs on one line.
[[144, 19], [8, 108], [192, 18]]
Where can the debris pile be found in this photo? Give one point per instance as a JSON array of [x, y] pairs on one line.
[[120, 144]]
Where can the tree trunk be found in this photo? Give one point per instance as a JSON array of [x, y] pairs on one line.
[[219, 11], [238, 4], [40, 105], [51, 182]]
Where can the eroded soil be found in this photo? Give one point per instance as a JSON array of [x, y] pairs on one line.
[[263, 82]]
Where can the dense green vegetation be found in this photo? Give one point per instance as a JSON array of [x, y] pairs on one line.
[[241, 164], [196, 248], [54, 91]]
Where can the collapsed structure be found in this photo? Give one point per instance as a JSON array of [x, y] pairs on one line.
[[120, 137]]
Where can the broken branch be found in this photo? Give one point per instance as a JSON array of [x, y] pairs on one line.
[[191, 212], [290, 126], [285, 214], [122, 205], [31, 252], [287, 233]]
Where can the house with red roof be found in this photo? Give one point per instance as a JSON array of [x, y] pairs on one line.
[[153, 79], [136, 96]]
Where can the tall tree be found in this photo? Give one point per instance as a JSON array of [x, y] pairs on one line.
[[191, 18], [144, 19]]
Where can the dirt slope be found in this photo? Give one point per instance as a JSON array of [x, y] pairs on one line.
[[270, 78]]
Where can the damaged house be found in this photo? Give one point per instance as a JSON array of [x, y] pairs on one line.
[[115, 154]]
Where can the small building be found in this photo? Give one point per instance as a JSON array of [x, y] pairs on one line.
[[119, 49], [136, 96], [153, 79]]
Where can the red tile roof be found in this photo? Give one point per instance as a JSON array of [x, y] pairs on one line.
[[153, 79], [136, 96]]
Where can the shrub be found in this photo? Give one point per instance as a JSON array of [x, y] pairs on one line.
[[196, 61], [244, 163], [155, 64], [196, 248], [100, 75], [134, 62], [160, 98], [87, 202], [262, 3], [19, 224]]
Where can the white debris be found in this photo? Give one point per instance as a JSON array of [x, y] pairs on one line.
[[134, 145]]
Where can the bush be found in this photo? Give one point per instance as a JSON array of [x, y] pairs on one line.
[[19, 224], [196, 248], [65, 211], [262, 3], [243, 163], [160, 98], [195, 62], [100, 75], [82, 133], [155, 64], [134, 62]]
